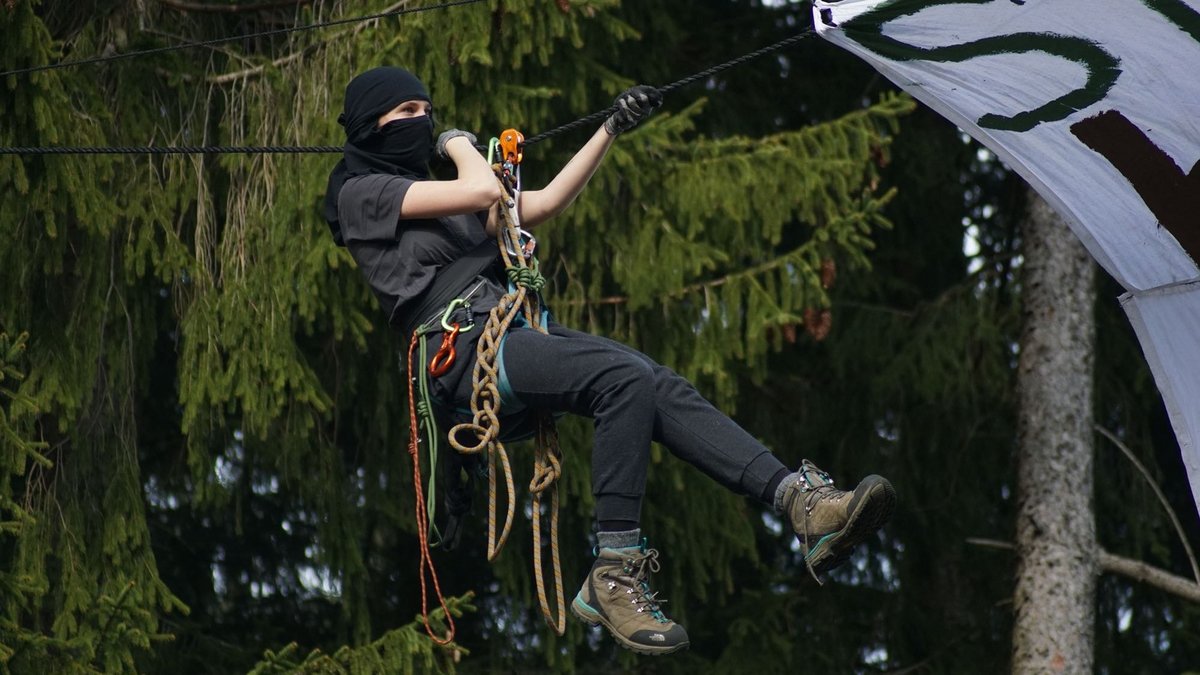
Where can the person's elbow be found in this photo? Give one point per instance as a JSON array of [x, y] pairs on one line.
[[538, 206], [484, 194]]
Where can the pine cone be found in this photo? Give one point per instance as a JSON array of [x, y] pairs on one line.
[[818, 322], [828, 273]]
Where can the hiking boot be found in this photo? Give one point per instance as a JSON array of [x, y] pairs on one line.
[[617, 594], [828, 522]]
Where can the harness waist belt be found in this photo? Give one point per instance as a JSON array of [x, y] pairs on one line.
[[448, 283]]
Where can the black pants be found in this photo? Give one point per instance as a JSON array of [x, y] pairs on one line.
[[633, 400]]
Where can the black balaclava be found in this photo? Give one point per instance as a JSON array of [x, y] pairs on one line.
[[401, 147]]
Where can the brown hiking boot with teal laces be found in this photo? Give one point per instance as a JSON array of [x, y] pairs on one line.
[[617, 594], [828, 522]]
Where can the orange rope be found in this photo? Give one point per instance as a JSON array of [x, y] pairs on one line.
[[422, 516]]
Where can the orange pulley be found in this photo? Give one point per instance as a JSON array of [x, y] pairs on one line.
[[511, 141]]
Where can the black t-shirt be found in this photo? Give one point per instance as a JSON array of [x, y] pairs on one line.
[[399, 258]]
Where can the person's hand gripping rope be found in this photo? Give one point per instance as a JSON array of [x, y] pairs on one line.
[[633, 105]]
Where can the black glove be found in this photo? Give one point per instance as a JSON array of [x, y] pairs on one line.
[[633, 105], [440, 149]]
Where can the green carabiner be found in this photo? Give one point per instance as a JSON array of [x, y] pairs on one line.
[[455, 304], [492, 145]]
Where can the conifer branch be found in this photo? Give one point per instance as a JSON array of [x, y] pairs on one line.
[[872, 307], [253, 71], [986, 271], [226, 78], [1161, 497], [258, 70], [699, 286], [1149, 574], [116, 605], [394, 651], [184, 6], [227, 51], [1127, 567]]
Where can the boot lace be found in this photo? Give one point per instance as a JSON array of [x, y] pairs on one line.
[[814, 485], [639, 570]]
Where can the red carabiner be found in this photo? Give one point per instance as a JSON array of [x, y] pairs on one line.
[[444, 358]]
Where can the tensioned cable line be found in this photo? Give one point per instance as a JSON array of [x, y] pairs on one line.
[[172, 150], [707, 72], [298, 149], [217, 41]]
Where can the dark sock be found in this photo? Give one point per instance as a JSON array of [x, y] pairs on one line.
[[768, 494], [616, 525]]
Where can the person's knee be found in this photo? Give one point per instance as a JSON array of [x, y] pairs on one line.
[[636, 371], [630, 378], [672, 385]]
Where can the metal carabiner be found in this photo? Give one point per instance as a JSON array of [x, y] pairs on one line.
[[525, 245], [455, 304], [444, 358]]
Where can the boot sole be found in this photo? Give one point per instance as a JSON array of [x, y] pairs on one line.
[[872, 512], [583, 612]]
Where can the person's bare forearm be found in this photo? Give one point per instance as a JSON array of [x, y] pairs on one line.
[[475, 189], [473, 170], [631, 107], [541, 205]]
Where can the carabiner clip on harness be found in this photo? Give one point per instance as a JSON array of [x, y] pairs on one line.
[[444, 358]]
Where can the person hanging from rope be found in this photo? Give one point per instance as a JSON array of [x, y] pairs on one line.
[[407, 232]]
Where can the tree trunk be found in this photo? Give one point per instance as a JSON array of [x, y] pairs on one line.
[[1056, 531]]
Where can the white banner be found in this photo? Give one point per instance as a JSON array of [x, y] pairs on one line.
[[1167, 322], [1096, 103]]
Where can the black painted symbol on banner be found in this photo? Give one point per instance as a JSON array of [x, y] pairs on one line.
[[1172, 195]]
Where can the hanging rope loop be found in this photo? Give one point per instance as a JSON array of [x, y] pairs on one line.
[[522, 300]]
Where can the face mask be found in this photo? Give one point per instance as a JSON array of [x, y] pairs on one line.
[[406, 144]]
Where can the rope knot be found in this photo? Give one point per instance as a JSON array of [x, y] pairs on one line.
[[526, 277], [546, 472]]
